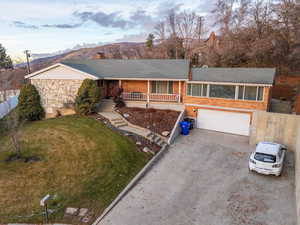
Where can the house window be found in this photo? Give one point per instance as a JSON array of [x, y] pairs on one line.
[[222, 91], [250, 93], [199, 90], [162, 87]]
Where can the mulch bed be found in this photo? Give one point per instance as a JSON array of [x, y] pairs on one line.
[[158, 120], [143, 142]]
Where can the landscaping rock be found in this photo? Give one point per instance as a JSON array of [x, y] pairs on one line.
[[71, 211], [146, 149], [126, 115], [152, 152], [82, 212], [165, 133]]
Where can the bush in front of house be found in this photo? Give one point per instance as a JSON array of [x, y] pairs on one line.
[[117, 97], [87, 97], [29, 104]]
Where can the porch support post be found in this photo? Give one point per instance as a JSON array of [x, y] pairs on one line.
[[120, 83], [148, 91], [179, 97]]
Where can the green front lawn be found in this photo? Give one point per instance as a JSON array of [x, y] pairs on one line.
[[82, 162]]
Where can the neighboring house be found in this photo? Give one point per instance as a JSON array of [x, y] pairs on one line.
[[221, 99]]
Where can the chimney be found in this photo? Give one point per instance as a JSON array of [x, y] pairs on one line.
[[100, 55]]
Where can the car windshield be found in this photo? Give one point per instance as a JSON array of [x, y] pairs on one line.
[[265, 157]]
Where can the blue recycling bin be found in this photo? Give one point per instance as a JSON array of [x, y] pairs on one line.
[[185, 127]]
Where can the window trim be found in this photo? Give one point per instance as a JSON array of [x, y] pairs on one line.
[[236, 91], [168, 86], [257, 91], [202, 94]]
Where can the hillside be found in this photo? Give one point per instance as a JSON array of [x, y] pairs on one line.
[[14, 78]]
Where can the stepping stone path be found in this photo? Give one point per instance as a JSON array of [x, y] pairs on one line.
[[71, 211], [82, 212]]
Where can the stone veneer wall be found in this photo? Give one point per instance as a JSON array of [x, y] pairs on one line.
[[56, 93]]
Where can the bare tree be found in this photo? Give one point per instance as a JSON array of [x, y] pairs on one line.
[[261, 14], [223, 14], [241, 14], [171, 23], [160, 30], [190, 27]]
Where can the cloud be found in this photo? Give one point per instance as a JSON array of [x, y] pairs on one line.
[[104, 19], [165, 8], [141, 18], [206, 6], [63, 26], [24, 25], [141, 37]]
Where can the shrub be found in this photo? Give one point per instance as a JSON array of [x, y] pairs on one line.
[[87, 97], [117, 97], [29, 106]]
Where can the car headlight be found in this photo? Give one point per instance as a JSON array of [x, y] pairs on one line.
[[252, 161], [276, 165]]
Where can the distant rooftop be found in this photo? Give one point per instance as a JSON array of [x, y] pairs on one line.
[[235, 75]]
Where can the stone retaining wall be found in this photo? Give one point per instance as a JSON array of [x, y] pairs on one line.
[[56, 93]]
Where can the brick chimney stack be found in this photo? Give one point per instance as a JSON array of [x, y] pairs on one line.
[[100, 55]]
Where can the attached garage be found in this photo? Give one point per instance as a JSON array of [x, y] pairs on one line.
[[224, 121]]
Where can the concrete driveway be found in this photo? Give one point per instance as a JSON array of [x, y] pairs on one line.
[[204, 180]]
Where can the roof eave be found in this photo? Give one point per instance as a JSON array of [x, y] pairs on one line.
[[230, 83]]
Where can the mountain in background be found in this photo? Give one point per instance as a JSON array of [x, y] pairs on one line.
[[125, 50]]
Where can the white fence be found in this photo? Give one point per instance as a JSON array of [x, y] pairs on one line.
[[7, 106], [139, 96], [4, 95]]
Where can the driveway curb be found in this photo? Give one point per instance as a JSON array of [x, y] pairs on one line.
[[132, 183]]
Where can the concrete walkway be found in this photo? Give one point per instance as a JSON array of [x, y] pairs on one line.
[[113, 116]]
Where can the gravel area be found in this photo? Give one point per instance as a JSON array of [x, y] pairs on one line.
[[204, 179]]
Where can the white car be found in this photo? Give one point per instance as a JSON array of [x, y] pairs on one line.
[[267, 158]]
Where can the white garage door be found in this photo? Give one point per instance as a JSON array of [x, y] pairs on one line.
[[227, 122]]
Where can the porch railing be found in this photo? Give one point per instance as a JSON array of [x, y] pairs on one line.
[[164, 97], [138, 96], [134, 96]]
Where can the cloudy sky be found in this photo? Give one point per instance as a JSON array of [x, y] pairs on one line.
[[45, 26]]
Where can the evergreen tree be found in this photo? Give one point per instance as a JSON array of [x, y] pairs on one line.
[[29, 106], [87, 97], [5, 60], [149, 42]]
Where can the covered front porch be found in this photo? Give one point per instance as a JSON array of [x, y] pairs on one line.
[[146, 90]]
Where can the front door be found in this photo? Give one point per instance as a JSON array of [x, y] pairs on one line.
[[111, 86]]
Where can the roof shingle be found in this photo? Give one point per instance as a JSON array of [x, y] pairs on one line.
[[135, 69], [235, 75]]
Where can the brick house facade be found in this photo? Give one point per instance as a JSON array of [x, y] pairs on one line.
[[231, 94]]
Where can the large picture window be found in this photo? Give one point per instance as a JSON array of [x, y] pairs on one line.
[[250, 93], [162, 87], [197, 90], [222, 91]]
